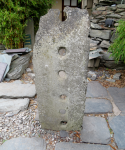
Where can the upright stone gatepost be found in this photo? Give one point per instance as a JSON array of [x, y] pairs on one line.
[[60, 59]]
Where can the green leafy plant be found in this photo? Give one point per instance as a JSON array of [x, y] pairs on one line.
[[118, 47], [13, 18]]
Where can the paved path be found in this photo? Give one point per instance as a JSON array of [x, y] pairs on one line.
[[100, 124]]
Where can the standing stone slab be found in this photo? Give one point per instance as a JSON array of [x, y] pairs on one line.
[[95, 130], [81, 146], [60, 62], [117, 124], [97, 106], [24, 144]]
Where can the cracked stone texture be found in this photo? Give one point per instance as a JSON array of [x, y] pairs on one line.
[[24, 144], [65, 74], [97, 106], [95, 89], [13, 90], [13, 105], [74, 146], [118, 95], [117, 124], [95, 130]]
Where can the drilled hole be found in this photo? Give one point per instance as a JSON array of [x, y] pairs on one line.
[[62, 111], [62, 74], [63, 122], [63, 97], [62, 51]]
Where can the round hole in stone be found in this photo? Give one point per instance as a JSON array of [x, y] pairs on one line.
[[62, 111], [63, 97], [63, 122], [62, 51], [62, 74]]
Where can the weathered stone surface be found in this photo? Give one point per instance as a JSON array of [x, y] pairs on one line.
[[93, 43], [95, 20], [105, 44], [18, 67], [12, 90], [110, 80], [107, 56], [106, 12], [117, 76], [121, 6], [96, 13], [81, 146], [111, 64], [95, 89], [122, 14], [117, 124], [97, 106], [114, 36], [95, 130], [95, 26], [113, 8], [31, 75], [13, 105], [104, 34], [58, 77], [28, 70], [119, 10], [114, 16], [63, 134], [118, 95], [24, 144], [101, 8]]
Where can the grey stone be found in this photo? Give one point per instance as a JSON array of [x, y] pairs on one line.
[[21, 143], [31, 75], [97, 106], [117, 124], [113, 8], [17, 82], [28, 70], [80, 146], [117, 76], [95, 20], [107, 56], [90, 74], [95, 53], [37, 115], [113, 65], [110, 80], [101, 8], [58, 77], [118, 95], [113, 16], [104, 34], [105, 44], [18, 66], [119, 10], [93, 43], [63, 134], [91, 63], [97, 62], [122, 6], [12, 90], [95, 130], [113, 36], [94, 77], [96, 13], [95, 26], [95, 89], [122, 14], [13, 105]]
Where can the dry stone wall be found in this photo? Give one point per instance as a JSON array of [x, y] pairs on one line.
[[60, 62], [105, 35]]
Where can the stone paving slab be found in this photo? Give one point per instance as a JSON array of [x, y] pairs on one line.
[[95, 130], [12, 90], [24, 144], [118, 95], [95, 89], [13, 105], [97, 106], [81, 146], [117, 124]]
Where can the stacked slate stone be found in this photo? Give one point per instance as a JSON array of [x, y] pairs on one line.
[[104, 35]]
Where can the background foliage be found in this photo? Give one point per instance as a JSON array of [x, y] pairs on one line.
[[13, 17], [118, 47]]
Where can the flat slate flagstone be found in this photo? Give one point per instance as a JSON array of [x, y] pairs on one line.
[[24, 144], [95, 89], [12, 90], [117, 124], [118, 95], [95, 130], [97, 106], [81, 146], [13, 105]]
